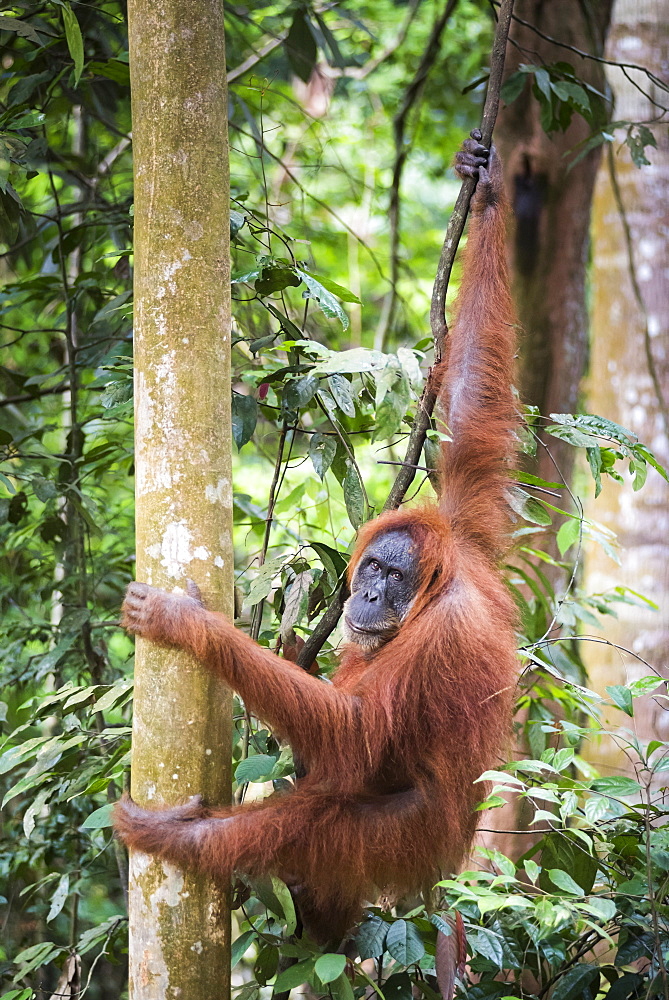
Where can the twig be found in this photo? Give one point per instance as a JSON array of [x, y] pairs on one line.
[[420, 468], [362, 72], [662, 84], [257, 57], [28, 396], [439, 329], [313, 197]]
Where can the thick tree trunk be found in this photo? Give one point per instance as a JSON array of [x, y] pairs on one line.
[[550, 242], [629, 378], [179, 928], [548, 251]]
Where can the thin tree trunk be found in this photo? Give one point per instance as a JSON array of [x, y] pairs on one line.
[[629, 378], [179, 927]]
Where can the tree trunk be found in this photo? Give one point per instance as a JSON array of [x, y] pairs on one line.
[[179, 927], [549, 249], [630, 376]]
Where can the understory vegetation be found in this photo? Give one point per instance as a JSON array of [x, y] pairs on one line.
[[331, 351]]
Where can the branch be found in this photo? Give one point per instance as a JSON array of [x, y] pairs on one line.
[[313, 197], [421, 423], [662, 84], [27, 397], [351, 72], [257, 57]]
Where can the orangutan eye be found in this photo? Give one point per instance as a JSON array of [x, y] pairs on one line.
[[396, 575], [374, 565]]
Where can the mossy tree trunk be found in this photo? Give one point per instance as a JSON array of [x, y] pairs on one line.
[[179, 928]]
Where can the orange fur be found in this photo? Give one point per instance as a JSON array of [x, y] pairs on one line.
[[394, 745]]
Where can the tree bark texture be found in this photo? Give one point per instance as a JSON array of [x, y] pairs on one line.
[[549, 244], [548, 250], [179, 927], [630, 362]]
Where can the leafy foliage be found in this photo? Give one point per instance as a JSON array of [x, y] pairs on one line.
[[319, 403]]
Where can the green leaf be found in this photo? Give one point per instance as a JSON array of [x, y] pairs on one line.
[[117, 392], [528, 507], [257, 768], [639, 470], [240, 946], [354, 496], [237, 220], [244, 419], [100, 819], [617, 786], [398, 987], [326, 300], [262, 584], [340, 388], [543, 82], [295, 975], [562, 852], [342, 293], [595, 461], [333, 561], [113, 69], [117, 694], [596, 808], [44, 488], [75, 42], [371, 936], [574, 982], [644, 685], [487, 944], [359, 359], [513, 87], [622, 697], [275, 278], [533, 870], [572, 435], [404, 943], [603, 908], [322, 450], [59, 897], [296, 601], [36, 955], [329, 967], [392, 400], [299, 392], [282, 893], [565, 882], [568, 534], [563, 758], [291, 503], [341, 989], [22, 28], [573, 93], [245, 277], [33, 811], [301, 49]]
